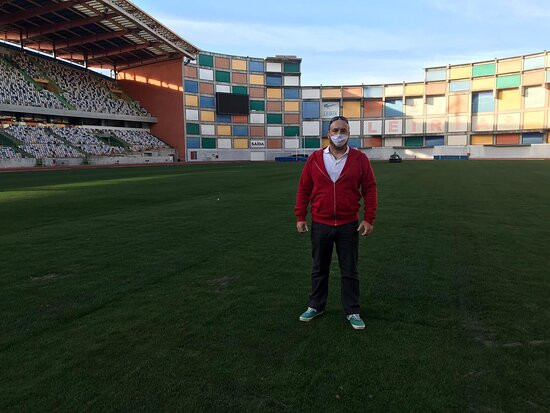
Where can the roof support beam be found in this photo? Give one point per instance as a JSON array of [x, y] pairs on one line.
[[105, 53], [138, 62], [37, 11]]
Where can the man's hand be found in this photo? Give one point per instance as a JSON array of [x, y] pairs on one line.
[[301, 226], [367, 228]]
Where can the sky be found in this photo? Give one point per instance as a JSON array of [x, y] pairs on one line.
[[348, 42]]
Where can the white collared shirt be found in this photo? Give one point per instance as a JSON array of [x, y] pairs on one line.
[[334, 166]]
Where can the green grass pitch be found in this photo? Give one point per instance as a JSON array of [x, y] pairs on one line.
[[178, 288]]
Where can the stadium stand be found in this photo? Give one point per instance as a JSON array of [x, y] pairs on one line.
[[86, 141], [8, 153], [138, 140], [40, 143]]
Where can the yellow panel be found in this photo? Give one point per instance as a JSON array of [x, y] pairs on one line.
[[352, 109], [238, 64], [256, 79], [482, 140], [483, 83], [240, 143], [414, 89], [331, 93], [191, 100], [533, 120], [533, 78], [207, 116], [509, 66], [292, 106], [224, 130], [393, 90], [274, 93], [460, 72], [509, 99], [548, 138]]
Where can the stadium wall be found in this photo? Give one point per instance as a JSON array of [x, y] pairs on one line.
[[501, 105]]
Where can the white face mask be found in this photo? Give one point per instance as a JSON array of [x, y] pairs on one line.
[[339, 140]]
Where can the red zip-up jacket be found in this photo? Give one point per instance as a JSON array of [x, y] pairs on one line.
[[337, 203]]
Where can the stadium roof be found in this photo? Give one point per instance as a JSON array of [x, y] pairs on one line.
[[111, 34]]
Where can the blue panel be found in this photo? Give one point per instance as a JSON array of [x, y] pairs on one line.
[[191, 86], [240, 130], [311, 110], [193, 143], [459, 85], [438, 74], [256, 66], [354, 142], [532, 138], [273, 80], [223, 118], [434, 140], [373, 92], [326, 124], [393, 107], [291, 93], [483, 102], [207, 102]]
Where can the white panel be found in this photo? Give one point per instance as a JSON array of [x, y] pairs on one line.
[[257, 143], [393, 142], [355, 127], [311, 93], [291, 143], [191, 114], [436, 105], [372, 127], [458, 123], [291, 81], [273, 67], [393, 127], [257, 118], [457, 140], [534, 97], [533, 62], [274, 131], [414, 125], [311, 128], [435, 125], [224, 143], [223, 88], [414, 106], [508, 121], [482, 123], [206, 74], [207, 129], [257, 156]]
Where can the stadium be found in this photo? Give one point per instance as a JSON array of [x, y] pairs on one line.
[[149, 256]]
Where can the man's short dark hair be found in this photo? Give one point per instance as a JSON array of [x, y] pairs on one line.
[[339, 117]]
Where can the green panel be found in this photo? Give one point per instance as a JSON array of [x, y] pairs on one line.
[[292, 130], [241, 90], [414, 141], [508, 81], [257, 105], [223, 76], [206, 60], [312, 143], [292, 68], [192, 128], [208, 143], [274, 118], [484, 70]]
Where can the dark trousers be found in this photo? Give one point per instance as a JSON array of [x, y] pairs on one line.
[[346, 239]]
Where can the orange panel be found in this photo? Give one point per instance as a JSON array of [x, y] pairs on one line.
[[274, 106], [481, 139], [258, 131], [511, 139], [436, 88], [221, 62], [353, 92], [292, 118], [325, 143], [533, 78], [239, 78], [206, 88], [372, 142], [274, 143], [372, 108], [191, 71], [256, 92], [331, 93], [240, 119], [459, 103], [508, 66]]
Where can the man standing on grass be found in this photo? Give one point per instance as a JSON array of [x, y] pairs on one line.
[[334, 180]]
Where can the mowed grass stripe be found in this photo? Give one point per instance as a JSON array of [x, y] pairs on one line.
[[136, 289]]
